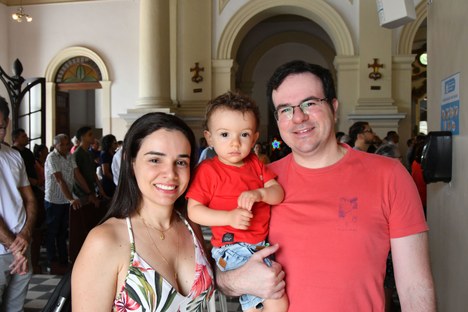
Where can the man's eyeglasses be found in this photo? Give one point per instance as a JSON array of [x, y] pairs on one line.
[[368, 130], [286, 112]]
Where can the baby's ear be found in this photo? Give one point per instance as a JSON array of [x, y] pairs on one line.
[[255, 137], [207, 135]]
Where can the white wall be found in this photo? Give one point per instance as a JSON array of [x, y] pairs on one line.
[[109, 28], [448, 202]]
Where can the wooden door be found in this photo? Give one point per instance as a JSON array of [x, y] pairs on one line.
[[62, 113]]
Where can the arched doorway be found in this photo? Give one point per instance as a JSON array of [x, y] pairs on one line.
[[82, 74], [262, 50], [413, 41], [244, 62], [77, 81]]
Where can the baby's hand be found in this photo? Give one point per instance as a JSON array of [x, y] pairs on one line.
[[248, 198], [240, 218]]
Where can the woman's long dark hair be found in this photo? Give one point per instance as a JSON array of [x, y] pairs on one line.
[[127, 196]]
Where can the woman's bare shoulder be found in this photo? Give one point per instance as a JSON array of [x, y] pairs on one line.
[[108, 237]]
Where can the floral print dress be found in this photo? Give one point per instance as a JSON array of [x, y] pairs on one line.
[[145, 290]]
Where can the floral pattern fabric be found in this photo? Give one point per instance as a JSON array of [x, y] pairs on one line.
[[145, 290]]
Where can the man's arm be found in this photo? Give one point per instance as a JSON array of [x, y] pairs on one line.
[[23, 239], [84, 186], [81, 181], [6, 236], [75, 203], [100, 188], [413, 274], [254, 277]]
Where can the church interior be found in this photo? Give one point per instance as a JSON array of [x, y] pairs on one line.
[[104, 63]]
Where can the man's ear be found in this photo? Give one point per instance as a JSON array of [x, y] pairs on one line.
[[335, 105], [207, 135]]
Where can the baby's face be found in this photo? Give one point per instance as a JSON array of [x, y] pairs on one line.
[[232, 134]]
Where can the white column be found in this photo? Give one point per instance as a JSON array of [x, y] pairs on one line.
[[223, 77], [154, 56]]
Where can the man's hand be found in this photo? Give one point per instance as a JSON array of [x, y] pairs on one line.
[[254, 277], [19, 264], [240, 218], [21, 243], [248, 198], [75, 204]]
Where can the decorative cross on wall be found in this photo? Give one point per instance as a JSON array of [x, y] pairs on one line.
[[375, 69], [197, 69]]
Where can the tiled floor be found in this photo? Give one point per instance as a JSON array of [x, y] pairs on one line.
[[41, 288]]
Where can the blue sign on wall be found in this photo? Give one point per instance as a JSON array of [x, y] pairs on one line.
[[450, 105]]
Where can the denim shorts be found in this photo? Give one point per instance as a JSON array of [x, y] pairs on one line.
[[232, 256]]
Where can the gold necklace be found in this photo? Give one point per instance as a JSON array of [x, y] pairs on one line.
[[162, 235], [159, 251]]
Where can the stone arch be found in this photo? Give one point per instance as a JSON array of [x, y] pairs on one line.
[[405, 45], [280, 38], [255, 11], [50, 74]]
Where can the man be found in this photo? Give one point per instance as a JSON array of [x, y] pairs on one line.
[[87, 167], [342, 212], [60, 173], [17, 217], [392, 137], [362, 136], [20, 141]]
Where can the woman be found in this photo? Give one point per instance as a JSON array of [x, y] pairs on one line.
[[108, 147], [145, 256]]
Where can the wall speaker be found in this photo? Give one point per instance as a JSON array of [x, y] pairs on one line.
[[395, 13]]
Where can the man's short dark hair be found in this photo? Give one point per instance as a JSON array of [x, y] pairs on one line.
[[300, 67], [82, 131], [16, 133], [357, 128], [391, 135]]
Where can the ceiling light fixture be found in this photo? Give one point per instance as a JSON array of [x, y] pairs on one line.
[[20, 15]]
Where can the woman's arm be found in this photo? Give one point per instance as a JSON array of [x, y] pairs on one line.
[[96, 270]]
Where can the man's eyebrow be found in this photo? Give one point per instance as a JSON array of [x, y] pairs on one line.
[[304, 100]]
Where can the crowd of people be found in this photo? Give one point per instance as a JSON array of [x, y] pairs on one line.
[[39, 187], [311, 228]]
